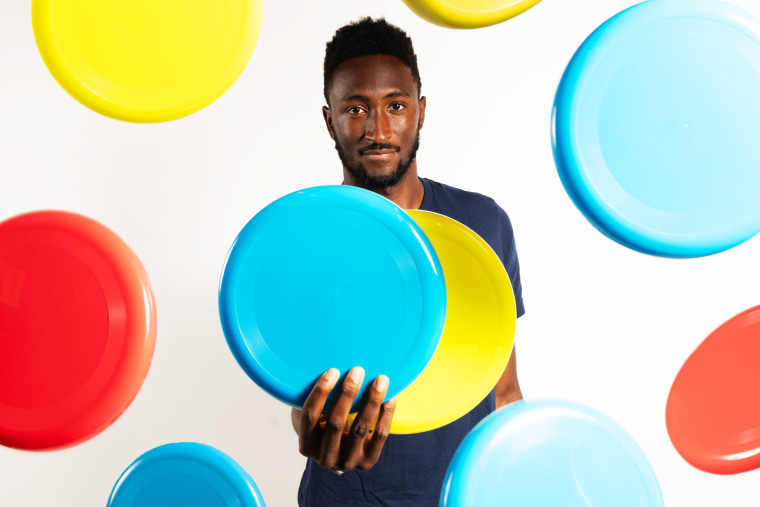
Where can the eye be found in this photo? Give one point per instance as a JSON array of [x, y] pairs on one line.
[[398, 106], [354, 110]]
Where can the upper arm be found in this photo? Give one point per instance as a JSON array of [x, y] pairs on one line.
[[507, 389], [510, 260]]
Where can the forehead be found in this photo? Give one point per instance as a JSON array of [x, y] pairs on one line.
[[371, 76]]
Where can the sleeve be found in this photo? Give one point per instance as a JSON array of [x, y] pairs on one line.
[[511, 263]]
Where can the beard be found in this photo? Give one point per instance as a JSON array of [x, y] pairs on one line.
[[367, 180]]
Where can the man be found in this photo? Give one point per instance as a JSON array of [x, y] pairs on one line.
[[374, 113]]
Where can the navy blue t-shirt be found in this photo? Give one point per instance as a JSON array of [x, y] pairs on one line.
[[411, 468]]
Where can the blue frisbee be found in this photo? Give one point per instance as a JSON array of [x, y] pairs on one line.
[[331, 277], [549, 453], [185, 475], [656, 127]]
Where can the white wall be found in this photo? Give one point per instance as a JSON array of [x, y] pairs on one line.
[[604, 326]]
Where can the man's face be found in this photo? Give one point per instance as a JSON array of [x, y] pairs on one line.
[[375, 118]]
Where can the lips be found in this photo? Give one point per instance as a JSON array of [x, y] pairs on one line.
[[380, 157], [379, 153]]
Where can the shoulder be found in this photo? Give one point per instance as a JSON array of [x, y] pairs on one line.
[[477, 211], [448, 193], [466, 206]]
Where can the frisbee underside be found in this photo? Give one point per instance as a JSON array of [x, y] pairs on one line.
[[468, 13], [478, 334], [77, 329], [185, 474], [656, 124], [713, 410], [142, 60], [331, 277], [548, 453]]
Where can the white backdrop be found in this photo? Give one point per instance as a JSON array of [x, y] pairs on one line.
[[605, 326]]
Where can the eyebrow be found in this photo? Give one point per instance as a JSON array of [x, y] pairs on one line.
[[398, 93], [364, 98]]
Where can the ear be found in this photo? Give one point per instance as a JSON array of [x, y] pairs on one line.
[[327, 115], [423, 104]]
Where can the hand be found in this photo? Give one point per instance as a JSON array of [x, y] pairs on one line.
[[322, 437]]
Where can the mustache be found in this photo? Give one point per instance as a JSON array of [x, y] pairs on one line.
[[376, 146]]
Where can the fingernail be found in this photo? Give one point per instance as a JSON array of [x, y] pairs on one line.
[[357, 374], [391, 403], [332, 375], [381, 384]]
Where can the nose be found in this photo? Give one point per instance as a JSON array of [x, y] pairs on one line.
[[378, 127]]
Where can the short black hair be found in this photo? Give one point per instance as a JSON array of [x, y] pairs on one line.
[[369, 37]]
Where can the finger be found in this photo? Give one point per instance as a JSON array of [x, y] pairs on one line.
[[314, 404], [336, 418], [354, 441], [380, 435]]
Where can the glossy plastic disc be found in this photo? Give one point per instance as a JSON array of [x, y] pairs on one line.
[[185, 474], [77, 329], [477, 337], [549, 453], [713, 411], [656, 124], [331, 277], [146, 60], [468, 13]]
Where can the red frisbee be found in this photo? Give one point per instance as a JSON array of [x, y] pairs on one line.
[[77, 329], [713, 410]]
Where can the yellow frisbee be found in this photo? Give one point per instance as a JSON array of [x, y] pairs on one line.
[[468, 13], [146, 60], [477, 336]]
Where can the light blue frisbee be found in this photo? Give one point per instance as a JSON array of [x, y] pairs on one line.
[[331, 277], [656, 127], [185, 474], [549, 453]]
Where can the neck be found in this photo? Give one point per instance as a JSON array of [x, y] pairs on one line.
[[407, 194]]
